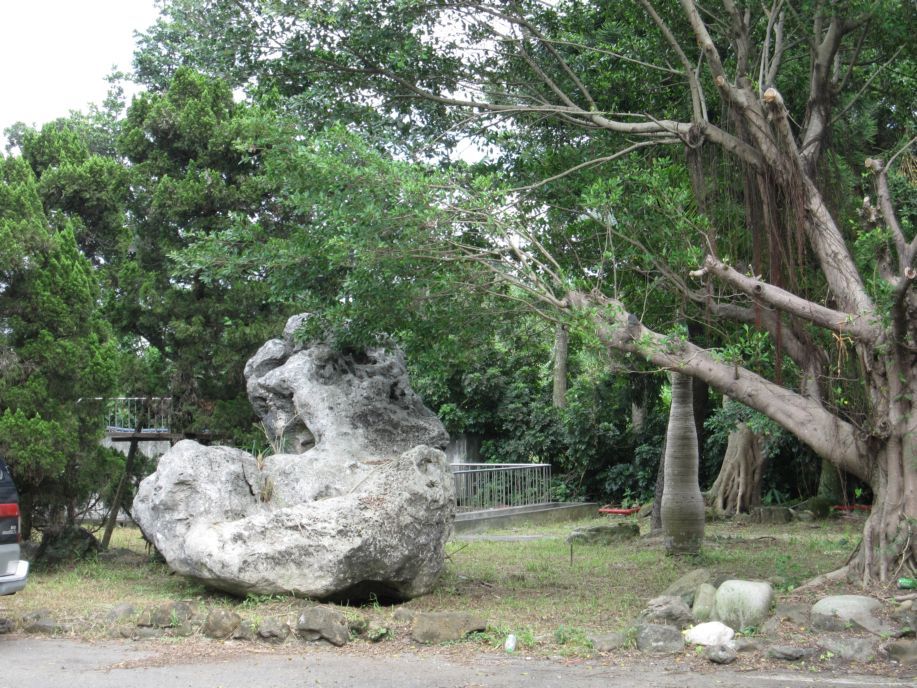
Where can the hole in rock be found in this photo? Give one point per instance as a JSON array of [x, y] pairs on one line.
[[368, 592]]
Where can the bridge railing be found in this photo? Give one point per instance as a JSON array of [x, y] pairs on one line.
[[154, 414], [481, 486]]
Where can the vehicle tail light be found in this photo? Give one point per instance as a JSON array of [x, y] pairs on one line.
[[12, 511]]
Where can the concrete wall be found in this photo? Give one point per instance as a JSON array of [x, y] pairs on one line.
[[464, 448]]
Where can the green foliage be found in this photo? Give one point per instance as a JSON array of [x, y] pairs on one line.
[[60, 356]]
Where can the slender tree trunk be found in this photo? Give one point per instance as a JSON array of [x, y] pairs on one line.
[[26, 510], [561, 353], [682, 502], [830, 486], [119, 493], [639, 402]]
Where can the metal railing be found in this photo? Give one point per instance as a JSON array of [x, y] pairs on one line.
[[123, 413], [497, 485]]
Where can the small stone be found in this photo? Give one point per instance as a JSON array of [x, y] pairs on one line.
[[440, 627], [41, 622], [247, 630], [170, 614], [273, 631], [329, 623], [404, 615], [903, 651], [659, 639], [686, 586], [7, 626], [120, 612], [721, 654], [748, 645], [609, 642], [146, 633], [667, 610], [221, 623], [789, 653], [183, 630], [605, 534]]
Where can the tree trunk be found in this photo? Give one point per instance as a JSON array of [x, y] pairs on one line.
[[682, 502], [889, 545], [561, 351], [830, 486], [119, 493], [738, 486]]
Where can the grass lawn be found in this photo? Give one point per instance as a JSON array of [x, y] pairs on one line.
[[530, 587]]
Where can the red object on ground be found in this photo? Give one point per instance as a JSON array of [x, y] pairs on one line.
[[618, 512], [852, 507]]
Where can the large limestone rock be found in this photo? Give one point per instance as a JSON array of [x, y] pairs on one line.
[[361, 504]]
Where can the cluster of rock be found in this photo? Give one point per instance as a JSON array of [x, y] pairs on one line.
[[311, 623], [693, 612], [358, 500]]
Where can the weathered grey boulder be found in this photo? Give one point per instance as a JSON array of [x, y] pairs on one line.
[[743, 604], [667, 610], [861, 650], [363, 507], [659, 639], [842, 612]]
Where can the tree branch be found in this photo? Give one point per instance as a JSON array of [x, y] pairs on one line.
[[697, 97], [854, 325], [829, 436]]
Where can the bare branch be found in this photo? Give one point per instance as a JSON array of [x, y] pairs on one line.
[[594, 162], [779, 47], [865, 85]]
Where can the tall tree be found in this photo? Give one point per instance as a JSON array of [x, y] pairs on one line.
[[58, 357], [781, 99]]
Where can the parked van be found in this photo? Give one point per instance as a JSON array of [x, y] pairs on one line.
[[13, 570]]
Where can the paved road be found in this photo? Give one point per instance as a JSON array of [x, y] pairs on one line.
[[51, 663]]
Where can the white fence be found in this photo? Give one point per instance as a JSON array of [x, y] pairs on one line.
[[497, 485], [154, 414]]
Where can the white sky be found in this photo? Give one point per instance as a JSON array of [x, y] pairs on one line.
[[55, 54]]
